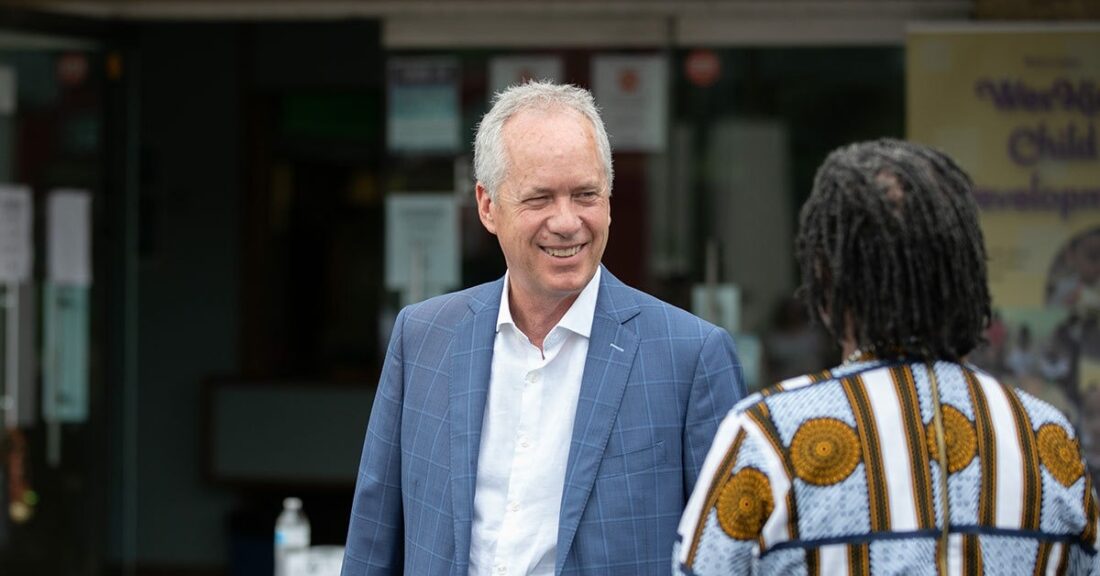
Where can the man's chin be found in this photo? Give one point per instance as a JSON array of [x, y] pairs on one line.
[[565, 285]]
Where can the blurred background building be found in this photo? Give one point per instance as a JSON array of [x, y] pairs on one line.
[[259, 185]]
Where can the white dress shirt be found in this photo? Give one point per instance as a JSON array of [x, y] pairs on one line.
[[525, 439]]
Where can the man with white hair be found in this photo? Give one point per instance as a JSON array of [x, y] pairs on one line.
[[553, 421]]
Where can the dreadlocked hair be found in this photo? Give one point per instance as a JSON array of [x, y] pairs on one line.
[[889, 241]]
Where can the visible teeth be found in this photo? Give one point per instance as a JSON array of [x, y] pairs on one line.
[[562, 252]]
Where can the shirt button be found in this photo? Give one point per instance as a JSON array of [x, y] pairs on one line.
[[514, 506], [523, 442], [532, 377], [502, 569]]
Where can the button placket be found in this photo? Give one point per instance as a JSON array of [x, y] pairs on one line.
[[514, 514]]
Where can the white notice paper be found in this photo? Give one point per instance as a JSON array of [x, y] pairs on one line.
[[16, 215], [423, 105], [68, 222], [422, 244], [505, 71], [632, 93]]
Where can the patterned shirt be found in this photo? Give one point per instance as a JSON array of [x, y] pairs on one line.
[[839, 473]]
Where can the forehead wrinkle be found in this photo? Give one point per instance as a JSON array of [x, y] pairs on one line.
[[534, 147]]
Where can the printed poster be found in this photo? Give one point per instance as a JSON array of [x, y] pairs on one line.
[[423, 105], [65, 352], [66, 310], [69, 223], [1018, 107], [422, 241], [16, 220], [632, 93]]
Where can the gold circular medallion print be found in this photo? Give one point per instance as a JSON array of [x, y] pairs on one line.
[[824, 451], [745, 504], [958, 435], [1058, 452]]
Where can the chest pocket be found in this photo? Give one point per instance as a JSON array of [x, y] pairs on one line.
[[633, 461]]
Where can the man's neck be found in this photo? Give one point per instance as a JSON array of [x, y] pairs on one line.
[[536, 318]]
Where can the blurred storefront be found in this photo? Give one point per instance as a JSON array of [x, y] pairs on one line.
[[270, 181]]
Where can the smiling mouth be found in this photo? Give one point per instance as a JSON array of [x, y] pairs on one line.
[[563, 252]]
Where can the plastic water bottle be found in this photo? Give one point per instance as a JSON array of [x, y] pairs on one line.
[[292, 534]]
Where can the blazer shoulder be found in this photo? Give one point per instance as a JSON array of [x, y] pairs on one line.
[[667, 318], [448, 310]]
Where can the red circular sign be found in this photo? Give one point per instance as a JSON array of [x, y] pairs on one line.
[[702, 67], [72, 69], [629, 80]]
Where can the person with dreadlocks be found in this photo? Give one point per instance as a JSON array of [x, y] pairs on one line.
[[905, 459]]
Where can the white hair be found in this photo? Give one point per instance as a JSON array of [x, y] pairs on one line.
[[490, 156]]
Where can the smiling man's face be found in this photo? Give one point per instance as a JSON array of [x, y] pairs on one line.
[[552, 212]]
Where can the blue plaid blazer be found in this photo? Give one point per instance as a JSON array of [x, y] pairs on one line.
[[657, 382]]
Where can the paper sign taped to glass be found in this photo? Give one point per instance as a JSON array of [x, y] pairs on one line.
[[423, 105], [65, 307], [65, 353], [422, 244], [16, 217]]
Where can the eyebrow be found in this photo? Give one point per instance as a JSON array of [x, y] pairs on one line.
[[587, 187]]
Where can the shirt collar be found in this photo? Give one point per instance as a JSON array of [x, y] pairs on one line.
[[577, 319]]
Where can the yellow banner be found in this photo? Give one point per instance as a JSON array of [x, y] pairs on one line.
[[1019, 111], [1018, 107]]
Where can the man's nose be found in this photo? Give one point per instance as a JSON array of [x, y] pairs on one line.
[[565, 220]]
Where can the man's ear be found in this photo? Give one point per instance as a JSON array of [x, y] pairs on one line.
[[484, 208]]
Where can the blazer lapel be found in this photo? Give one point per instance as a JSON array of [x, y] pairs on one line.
[[611, 351], [471, 361]]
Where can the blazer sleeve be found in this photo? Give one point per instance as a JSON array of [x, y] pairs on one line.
[[376, 533], [716, 386]]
